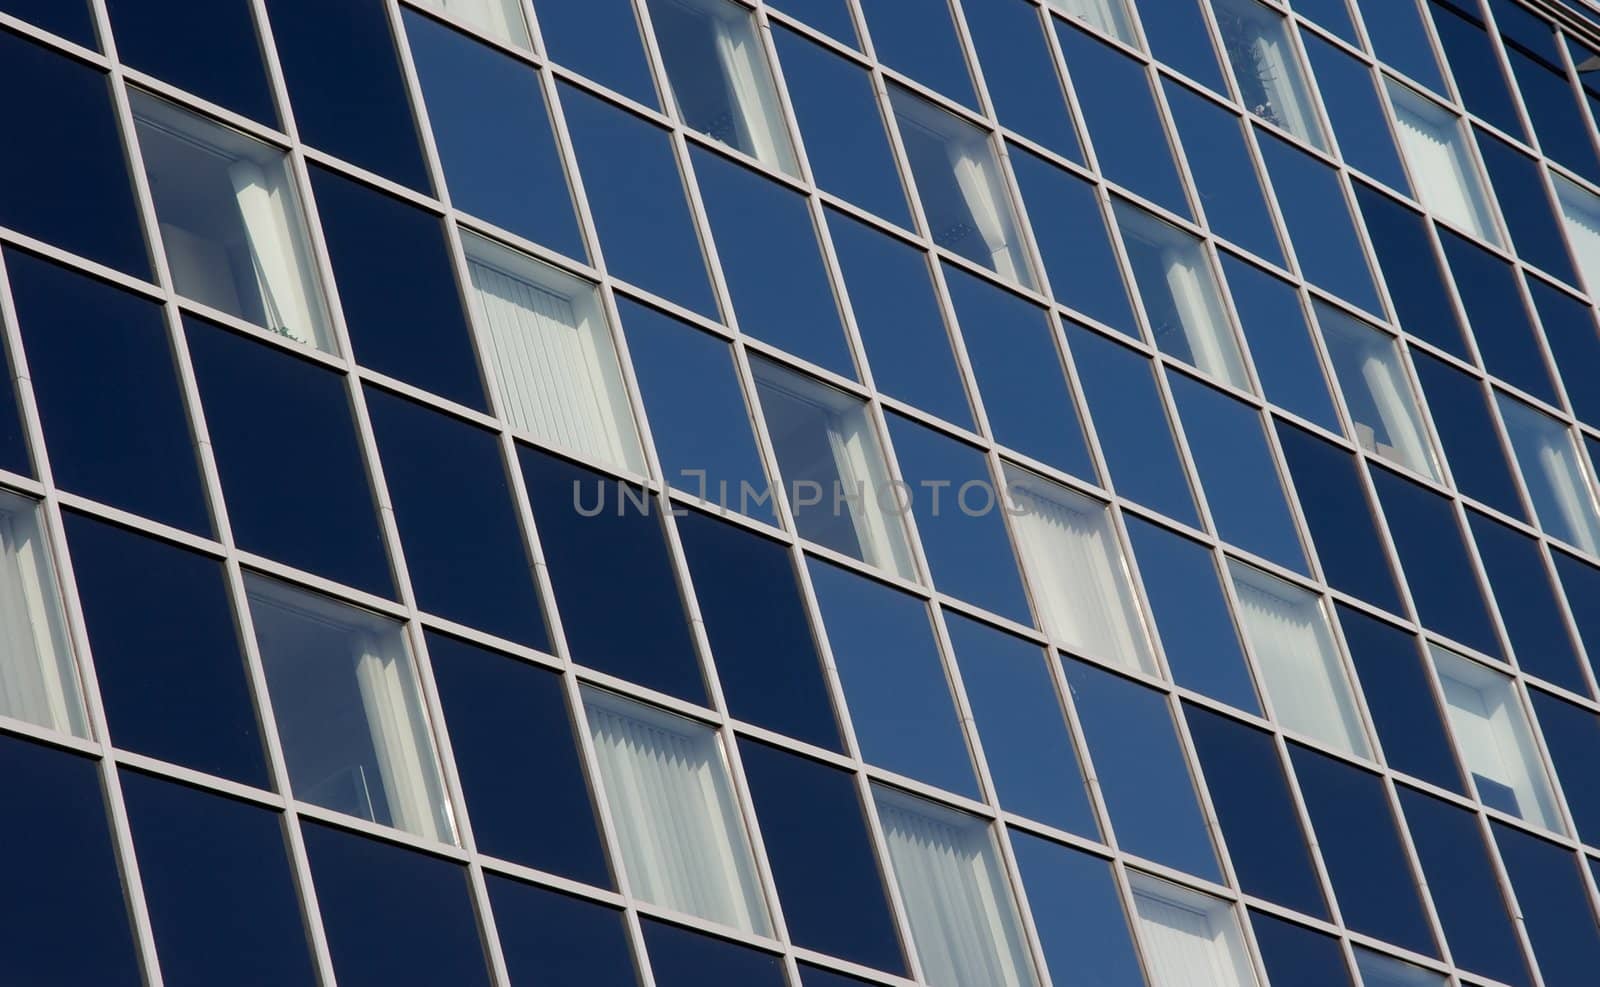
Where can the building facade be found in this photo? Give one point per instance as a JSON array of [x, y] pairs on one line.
[[972, 493]]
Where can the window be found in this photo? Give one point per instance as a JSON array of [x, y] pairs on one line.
[[1555, 477], [1376, 391], [1442, 168], [228, 69], [499, 19], [38, 681], [1355, 113], [1106, 16], [1019, 70], [1378, 970], [1580, 212], [666, 781], [1400, 37], [1181, 299], [1189, 937], [1281, 341], [1224, 172], [349, 710], [1463, 417], [560, 940], [1395, 683], [1294, 954], [964, 921], [1555, 904], [1491, 295], [1518, 184], [1077, 912], [1311, 197], [1495, 742], [1528, 602], [1267, 68], [720, 78], [926, 47], [1411, 269], [554, 364], [1077, 572], [1569, 328], [1181, 36], [959, 182], [833, 468], [680, 957], [600, 39], [1572, 735], [1470, 51], [73, 20]]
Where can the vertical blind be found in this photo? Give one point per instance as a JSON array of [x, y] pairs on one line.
[[37, 680]]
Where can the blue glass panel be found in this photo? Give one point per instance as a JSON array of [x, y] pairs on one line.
[[499, 158], [883, 645], [817, 844], [1296, 955], [837, 109], [1362, 850], [72, 188], [1357, 115], [1411, 268], [1141, 771], [1343, 530], [1124, 124], [457, 519], [1475, 64], [1400, 38], [1082, 929], [768, 249], [226, 69], [109, 400], [1021, 725], [680, 958], [166, 651], [599, 38], [636, 194], [393, 915], [334, 533], [1554, 903], [1071, 233], [1280, 341], [1236, 470], [1224, 173], [1324, 236], [555, 940], [1581, 583], [918, 37], [1020, 73], [603, 542], [1011, 344], [72, 19], [755, 620], [1519, 186], [1135, 436], [1180, 37], [831, 17], [344, 79], [1528, 605], [891, 295], [1572, 734], [398, 289], [518, 760], [816, 976], [217, 882], [1569, 328], [1462, 419], [1558, 116], [14, 454], [1331, 14], [1506, 337], [1394, 680]]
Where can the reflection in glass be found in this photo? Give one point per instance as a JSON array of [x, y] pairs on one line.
[[1553, 473], [37, 680], [499, 19], [1382, 408], [1580, 211], [1189, 937], [1107, 16], [1441, 167], [1264, 63]]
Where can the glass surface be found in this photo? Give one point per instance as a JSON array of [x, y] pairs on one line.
[[1324, 237], [227, 69], [1520, 189], [1267, 67], [1180, 36], [1528, 601], [1079, 920], [924, 46], [1411, 268], [1224, 173], [1506, 337], [1107, 16], [1400, 37], [1553, 106], [1442, 169], [217, 880], [1350, 95], [1331, 14], [1581, 584], [558, 940], [457, 519], [1280, 341], [1380, 970], [72, 19], [1465, 425], [1572, 735], [600, 39], [1470, 51], [1569, 328], [1554, 902], [681, 958], [1580, 215], [334, 533], [1377, 391], [38, 679], [167, 653], [1019, 68], [15, 454], [831, 17], [1185, 930], [1557, 482], [1294, 954], [531, 810]]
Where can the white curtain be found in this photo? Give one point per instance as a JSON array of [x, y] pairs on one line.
[[1279, 77], [37, 683], [751, 92], [1573, 502], [683, 846], [406, 765], [1190, 941], [1431, 140], [1194, 298], [1581, 212], [974, 172], [283, 274], [860, 465], [964, 921], [1399, 415], [1077, 573], [1106, 15]]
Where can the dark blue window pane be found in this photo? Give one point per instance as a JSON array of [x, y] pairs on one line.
[[1506, 336], [1572, 734], [62, 919], [1444, 584], [166, 651], [401, 303], [457, 519], [1135, 436], [1180, 580], [1141, 770], [344, 79], [967, 550], [898, 317], [1581, 583], [837, 110], [1553, 106], [1324, 236], [216, 877], [1519, 185], [603, 542], [1362, 850], [1296, 955], [1554, 903], [108, 393], [761, 639], [1528, 604], [1354, 110], [697, 412], [1011, 344], [1342, 526], [226, 68], [768, 249], [1569, 328], [599, 38], [1071, 232], [1241, 483], [883, 644], [1400, 38], [680, 958], [1256, 811], [1224, 173], [1122, 118], [392, 915], [918, 37], [1462, 419], [1180, 37], [516, 754], [72, 19], [1082, 929], [499, 159], [817, 845], [1020, 74], [637, 197], [556, 940], [1411, 269], [816, 976], [1475, 64], [1465, 888], [1394, 680], [1275, 328], [14, 454], [831, 17], [1331, 14], [244, 385], [1021, 726], [72, 187]]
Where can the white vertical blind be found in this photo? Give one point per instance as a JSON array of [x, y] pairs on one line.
[[37, 680], [975, 176], [406, 764], [1109, 16], [500, 19], [1194, 298], [1189, 939], [1580, 212], [1556, 479], [1430, 137], [283, 271], [751, 91]]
